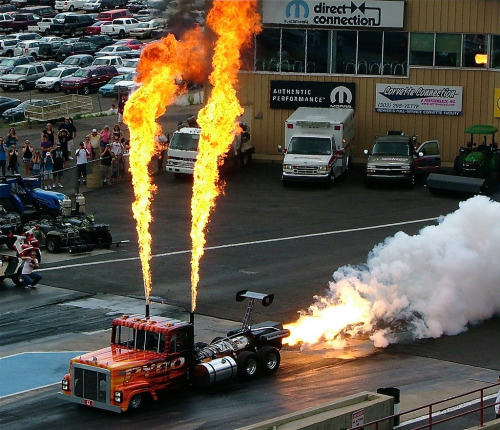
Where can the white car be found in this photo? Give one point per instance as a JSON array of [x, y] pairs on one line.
[[144, 29], [120, 27], [112, 60], [129, 66], [126, 87], [60, 17], [52, 79], [69, 5], [113, 50], [29, 47]]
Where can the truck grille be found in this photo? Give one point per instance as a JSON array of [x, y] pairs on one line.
[[90, 383], [305, 170], [388, 171]]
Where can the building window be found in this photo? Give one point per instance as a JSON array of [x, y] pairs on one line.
[[268, 50], [395, 53], [369, 52], [293, 49], [495, 51], [422, 49], [346, 42], [318, 51], [475, 49], [448, 49]]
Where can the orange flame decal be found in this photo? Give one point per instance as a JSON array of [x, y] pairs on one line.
[[234, 22], [162, 64]]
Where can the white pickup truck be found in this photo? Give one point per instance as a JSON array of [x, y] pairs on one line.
[[42, 27], [120, 27]]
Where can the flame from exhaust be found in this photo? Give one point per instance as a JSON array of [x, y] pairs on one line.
[[162, 64], [329, 318], [234, 22]]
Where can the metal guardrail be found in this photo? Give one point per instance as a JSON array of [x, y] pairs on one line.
[[59, 107], [430, 410]]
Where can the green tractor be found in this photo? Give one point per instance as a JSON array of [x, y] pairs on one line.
[[476, 166], [479, 159]]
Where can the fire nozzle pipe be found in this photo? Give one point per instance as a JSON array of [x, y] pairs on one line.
[[147, 311], [191, 317]]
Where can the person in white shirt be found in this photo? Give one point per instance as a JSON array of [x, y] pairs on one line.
[[30, 278], [117, 150], [81, 162]]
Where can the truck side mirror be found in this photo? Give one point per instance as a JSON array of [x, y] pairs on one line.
[[366, 152], [280, 148]]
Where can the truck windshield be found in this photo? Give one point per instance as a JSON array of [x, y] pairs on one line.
[[129, 337], [185, 141], [391, 148], [310, 146]]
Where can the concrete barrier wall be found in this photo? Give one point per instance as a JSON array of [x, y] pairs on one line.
[[334, 415]]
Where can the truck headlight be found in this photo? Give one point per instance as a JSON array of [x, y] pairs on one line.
[[406, 169], [323, 168], [370, 168], [118, 396], [65, 385], [287, 167]]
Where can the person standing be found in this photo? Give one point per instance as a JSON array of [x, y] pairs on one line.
[[49, 132], [30, 278], [105, 136], [59, 164], [36, 163], [48, 167], [71, 129], [27, 156], [62, 137], [121, 108], [497, 402], [81, 162], [117, 150], [46, 146], [106, 160], [13, 160], [3, 156], [11, 137], [95, 141]]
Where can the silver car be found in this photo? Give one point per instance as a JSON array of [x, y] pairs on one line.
[[52, 79]]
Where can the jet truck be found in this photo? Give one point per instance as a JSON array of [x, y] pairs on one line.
[[149, 354], [318, 144]]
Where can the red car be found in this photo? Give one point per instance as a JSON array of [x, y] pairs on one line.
[[131, 43], [94, 28], [88, 78]]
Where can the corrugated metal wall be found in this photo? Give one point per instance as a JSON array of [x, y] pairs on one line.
[[461, 16]]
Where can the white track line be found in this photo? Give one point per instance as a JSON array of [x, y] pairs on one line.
[[255, 242]]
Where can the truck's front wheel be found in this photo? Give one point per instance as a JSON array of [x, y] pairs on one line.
[[331, 180], [135, 402]]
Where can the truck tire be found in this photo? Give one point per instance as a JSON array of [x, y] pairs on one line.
[[331, 180], [71, 8], [21, 86], [247, 365], [135, 402], [121, 34], [47, 32], [246, 159], [52, 244], [269, 359], [18, 277], [107, 240]]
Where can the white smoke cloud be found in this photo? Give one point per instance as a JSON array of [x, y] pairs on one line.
[[432, 283]]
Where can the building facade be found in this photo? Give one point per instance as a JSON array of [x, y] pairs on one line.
[[425, 67]]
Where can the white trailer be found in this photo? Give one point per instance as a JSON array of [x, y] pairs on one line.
[[318, 144]]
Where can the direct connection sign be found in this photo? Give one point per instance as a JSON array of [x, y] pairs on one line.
[[295, 94], [422, 99], [338, 13]]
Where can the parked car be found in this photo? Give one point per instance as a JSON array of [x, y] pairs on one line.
[[69, 5], [119, 27], [130, 43], [113, 50], [112, 60], [113, 14], [52, 79], [40, 10], [42, 26], [72, 25], [95, 28], [30, 47], [8, 103], [79, 60], [7, 47], [108, 90], [20, 37], [25, 76], [137, 5], [100, 5], [20, 22], [60, 17], [8, 64], [5, 17], [126, 86], [7, 8], [129, 66], [48, 48], [17, 113], [88, 78], [144, 29], [69, 49], [98, 40]]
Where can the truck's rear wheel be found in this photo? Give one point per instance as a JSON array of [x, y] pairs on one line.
[[269, 359], [18, 277], [135, 401], [247, 365]]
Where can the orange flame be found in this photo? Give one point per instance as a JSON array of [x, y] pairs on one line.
[[162, 64], [330, 318], [234, 22]]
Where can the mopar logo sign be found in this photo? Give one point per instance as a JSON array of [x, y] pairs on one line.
[[297, 6], [339, 13], [291, 94]]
